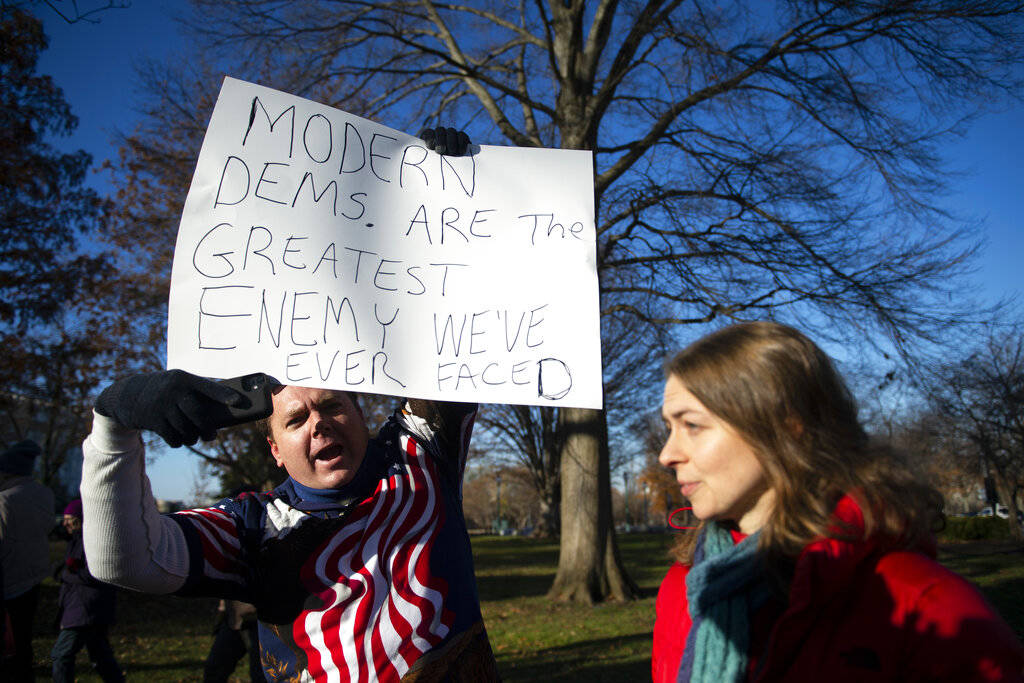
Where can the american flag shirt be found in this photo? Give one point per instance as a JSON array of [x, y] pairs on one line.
[[372, 582]]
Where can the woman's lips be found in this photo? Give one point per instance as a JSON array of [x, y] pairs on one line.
[[688, 488]]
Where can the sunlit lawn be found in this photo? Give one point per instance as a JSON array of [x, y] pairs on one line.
[[166, 639], [535, 639]]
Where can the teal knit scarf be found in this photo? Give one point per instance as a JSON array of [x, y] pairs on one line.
[[725, 585]]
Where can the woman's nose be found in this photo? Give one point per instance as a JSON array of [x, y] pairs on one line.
[[671, 453], [664, 457]]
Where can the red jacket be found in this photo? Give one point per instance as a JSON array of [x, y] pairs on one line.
[[854, 615]]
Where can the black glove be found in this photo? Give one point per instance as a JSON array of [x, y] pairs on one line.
[[180, 407], [445, 140]]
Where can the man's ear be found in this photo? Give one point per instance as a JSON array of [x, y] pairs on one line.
[[274, 451]]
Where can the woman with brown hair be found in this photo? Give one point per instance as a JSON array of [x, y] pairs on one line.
[[814, 555]]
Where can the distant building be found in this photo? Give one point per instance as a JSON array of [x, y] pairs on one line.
[[168, 506]]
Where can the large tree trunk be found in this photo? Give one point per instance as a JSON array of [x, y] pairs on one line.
[[1004, 492], [548, 524], [589, 568]]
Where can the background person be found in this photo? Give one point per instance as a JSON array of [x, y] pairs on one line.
[[236, 633], [814, 559], [26, 518], [85, 609]]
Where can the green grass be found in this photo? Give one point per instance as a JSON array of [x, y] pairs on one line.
[[166, 639], [975, 529], [535, 639], [997, 568]]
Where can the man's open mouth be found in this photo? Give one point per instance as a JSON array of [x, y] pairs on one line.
[[329, 453]]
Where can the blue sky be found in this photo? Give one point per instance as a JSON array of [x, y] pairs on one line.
[[93, 63]]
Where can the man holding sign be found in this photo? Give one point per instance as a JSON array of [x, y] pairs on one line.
[[359, 563]]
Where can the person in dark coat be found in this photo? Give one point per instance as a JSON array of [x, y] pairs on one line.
[[236, 633], [26, 517], [86, 609]]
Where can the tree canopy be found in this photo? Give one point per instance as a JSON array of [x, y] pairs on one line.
[[51, 273], [749, 158], [45, 208]]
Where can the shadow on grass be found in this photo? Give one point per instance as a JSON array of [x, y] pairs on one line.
[[997, 569], [647, 592], [84, 668], [1007, 596], [496, 559], [578, 661], [975, 568], [194, 665], [505, 586], [498, 553]]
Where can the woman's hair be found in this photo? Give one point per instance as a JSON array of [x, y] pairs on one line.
[[783, 396]]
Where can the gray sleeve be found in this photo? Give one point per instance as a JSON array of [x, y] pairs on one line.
[[127, 541]]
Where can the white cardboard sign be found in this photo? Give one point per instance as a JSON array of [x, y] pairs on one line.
[[330, 251]]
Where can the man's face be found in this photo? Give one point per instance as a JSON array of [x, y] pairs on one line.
[[318, 435], [72, 524]]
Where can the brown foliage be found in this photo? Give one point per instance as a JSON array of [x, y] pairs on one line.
[[55, 342]]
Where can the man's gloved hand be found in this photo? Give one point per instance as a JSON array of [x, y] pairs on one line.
[[445, 140], [180, 407]]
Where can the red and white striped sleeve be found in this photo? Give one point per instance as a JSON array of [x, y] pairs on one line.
[[213, 534]]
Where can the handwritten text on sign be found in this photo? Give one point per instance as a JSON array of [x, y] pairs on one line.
[[330, 251]]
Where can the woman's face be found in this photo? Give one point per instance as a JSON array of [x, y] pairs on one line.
[[72, 524], [716, 469]]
